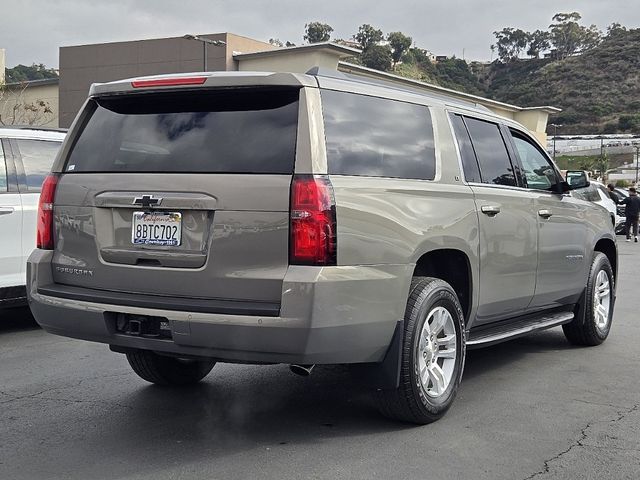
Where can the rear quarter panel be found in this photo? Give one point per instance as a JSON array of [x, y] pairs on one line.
[[396, 221]]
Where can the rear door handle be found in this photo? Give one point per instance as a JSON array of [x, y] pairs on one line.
[[6, 210], [545, 213], [490, 210]]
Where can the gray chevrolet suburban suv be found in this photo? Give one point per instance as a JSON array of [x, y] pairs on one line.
[[312, 219]]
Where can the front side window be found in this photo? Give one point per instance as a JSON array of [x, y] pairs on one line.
[[491, 152], [538, 172], [377, 137], [37, 158]]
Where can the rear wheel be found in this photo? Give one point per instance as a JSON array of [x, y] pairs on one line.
[[433, 353], [594, 314], [164, 370]]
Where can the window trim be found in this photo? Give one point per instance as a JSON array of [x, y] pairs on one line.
[[515, 166], [527, 138], [10, 165], [463, 175]]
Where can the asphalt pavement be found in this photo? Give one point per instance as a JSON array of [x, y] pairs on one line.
[[531, 408]]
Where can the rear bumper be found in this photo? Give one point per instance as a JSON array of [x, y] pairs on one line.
[[327, 315]]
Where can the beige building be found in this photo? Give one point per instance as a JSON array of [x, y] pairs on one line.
[[28, 103]]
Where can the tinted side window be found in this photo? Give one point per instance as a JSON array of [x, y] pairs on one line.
[[376, 137], [538, 172], [3, 171], [468, 157], [37, 158], [495, 166]]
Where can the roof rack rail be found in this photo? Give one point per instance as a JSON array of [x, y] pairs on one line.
[[389, 83], [32, 127]]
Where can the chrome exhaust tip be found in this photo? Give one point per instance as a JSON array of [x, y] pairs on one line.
[[302, 370]]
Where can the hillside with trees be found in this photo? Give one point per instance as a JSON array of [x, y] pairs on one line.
[[594, 77], [24, 73]]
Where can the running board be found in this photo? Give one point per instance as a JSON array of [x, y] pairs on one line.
[[483, 337]]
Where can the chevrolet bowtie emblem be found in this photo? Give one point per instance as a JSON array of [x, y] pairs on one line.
[[147, 201]]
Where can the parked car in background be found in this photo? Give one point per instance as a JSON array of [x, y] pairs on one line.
[[597, 193], [26, 156], [312, 219], [622, 194]]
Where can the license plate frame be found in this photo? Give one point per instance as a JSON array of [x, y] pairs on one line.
[[161, 229]]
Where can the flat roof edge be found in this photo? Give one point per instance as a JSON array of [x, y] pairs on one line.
[[34, 83], [338, 50], [544, 108]]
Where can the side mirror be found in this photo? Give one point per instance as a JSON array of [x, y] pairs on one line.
[[575, 179]]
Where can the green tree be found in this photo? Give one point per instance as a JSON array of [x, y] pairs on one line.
[[368, 36], [23, 73], [629, 122], [509, 43], [586, 163], [316, 32], [602, 164], [538, 42], [615, 29], [276, 42], [378, 57], [400, 44], [569, 37], [420, 55]]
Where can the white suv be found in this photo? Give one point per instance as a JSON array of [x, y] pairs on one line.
[[26, 155]]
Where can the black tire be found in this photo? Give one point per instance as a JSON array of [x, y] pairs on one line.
[[410, 402], [164, 370], [584, 330]]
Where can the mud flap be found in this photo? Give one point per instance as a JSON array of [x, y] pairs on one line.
[[386, 374]]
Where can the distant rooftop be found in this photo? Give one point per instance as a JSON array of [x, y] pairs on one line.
[[35, 83]]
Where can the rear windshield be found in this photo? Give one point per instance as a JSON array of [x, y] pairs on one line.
[[221, 131]]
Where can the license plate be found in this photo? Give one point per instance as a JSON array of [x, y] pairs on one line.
[[156, 228]]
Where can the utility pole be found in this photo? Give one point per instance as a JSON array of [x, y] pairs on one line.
[[555, 134], [205, 42], [637, 147]]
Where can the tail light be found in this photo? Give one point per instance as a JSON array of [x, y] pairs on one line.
[[313, 221], [44, 236]]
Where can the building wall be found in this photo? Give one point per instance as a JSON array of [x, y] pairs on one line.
[[82, 65], [17, 95], [297, 62]]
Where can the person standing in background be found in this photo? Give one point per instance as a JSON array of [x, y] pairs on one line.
[[613, 194], [632, 211]]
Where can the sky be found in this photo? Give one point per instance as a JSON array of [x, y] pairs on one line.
[[32, 30]]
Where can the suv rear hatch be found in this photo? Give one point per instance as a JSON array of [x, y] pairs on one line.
[[179, 194]]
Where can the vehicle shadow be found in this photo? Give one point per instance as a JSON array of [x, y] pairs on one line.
[[241, 410], [238, 412], [237, 409], [16, 318], [484, 360]]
